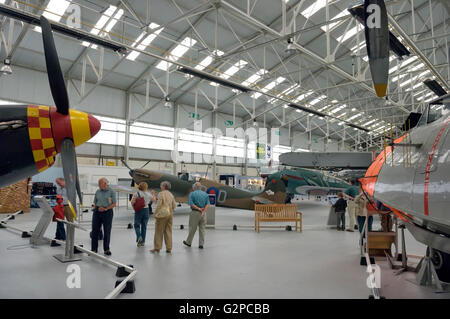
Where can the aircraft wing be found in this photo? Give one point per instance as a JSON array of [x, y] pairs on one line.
[[179, 198], [123, 189], [262, 200], [304, 190], [360, 160]]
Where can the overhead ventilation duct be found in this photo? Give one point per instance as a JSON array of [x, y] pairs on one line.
[[307, 110], [212, 78], [60, 28], [357, 127], [434, 86]]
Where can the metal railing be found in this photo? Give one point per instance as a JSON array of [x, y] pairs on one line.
[[116, 291]]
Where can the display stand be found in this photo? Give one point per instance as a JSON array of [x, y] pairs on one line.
[[427, 275], [211, 212], [332, 218], [127, 283], [69, 254], [404, 257], [37, 238]]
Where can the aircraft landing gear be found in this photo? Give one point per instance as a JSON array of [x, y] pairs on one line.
[[434, 268], [441, 263]]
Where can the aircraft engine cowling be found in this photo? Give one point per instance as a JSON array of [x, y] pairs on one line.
[[275, 190]]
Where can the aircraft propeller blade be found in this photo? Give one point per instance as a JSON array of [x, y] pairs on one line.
[[377, 42], [131, 172], [69, 163], [146, 164], [55, 76], [77, 185], [126, 165]]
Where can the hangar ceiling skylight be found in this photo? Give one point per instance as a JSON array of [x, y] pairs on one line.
[[329, 77], [177, 53], [103, 21], [144, 43]]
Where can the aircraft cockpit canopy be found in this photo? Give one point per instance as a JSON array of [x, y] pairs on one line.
[[433, 112]]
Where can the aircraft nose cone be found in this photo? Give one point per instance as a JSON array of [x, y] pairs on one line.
[[77, 126], [380, 89], [94, 125]]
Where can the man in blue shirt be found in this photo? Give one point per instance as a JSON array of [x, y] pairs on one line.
[[104, 202], [199, 201]]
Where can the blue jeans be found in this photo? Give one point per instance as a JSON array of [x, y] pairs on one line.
[[98, 219], [362, 220], [140, 223], [60, 231]]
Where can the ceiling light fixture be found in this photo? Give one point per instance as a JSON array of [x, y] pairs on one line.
[[290, 48], [168, 103], [6, 68]]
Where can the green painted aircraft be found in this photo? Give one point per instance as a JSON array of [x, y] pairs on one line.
[[308, 182]]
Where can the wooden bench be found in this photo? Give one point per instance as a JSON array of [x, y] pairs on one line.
[[278, 213]]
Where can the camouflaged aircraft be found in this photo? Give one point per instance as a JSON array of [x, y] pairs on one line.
[[226, 196], [304, 181]]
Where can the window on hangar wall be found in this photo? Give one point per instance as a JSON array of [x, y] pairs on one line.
[[112, 131], [230, 147], [152, 136], [194, 142]]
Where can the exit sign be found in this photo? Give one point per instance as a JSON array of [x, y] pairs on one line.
[[193, 115], [229, 123]]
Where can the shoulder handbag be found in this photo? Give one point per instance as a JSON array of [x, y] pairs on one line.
[[139, 203], [162, 210]]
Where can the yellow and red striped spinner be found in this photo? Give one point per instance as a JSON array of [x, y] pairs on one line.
[[41, 137]]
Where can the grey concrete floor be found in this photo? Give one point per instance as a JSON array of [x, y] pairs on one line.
[[318, 263]]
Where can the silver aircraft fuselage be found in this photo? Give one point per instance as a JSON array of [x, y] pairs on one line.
[[413, 177]]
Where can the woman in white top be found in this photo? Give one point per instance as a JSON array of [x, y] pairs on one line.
[[141, 217]]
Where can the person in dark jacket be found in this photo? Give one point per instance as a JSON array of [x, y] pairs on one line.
[[339, 208]]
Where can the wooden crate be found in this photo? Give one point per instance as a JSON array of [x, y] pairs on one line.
[[15, 197], [379, 242]]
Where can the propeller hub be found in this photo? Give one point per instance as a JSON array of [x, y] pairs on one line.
[[78, 126]]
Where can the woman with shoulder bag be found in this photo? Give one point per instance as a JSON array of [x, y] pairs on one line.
[[140, 202], [163, 218]]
